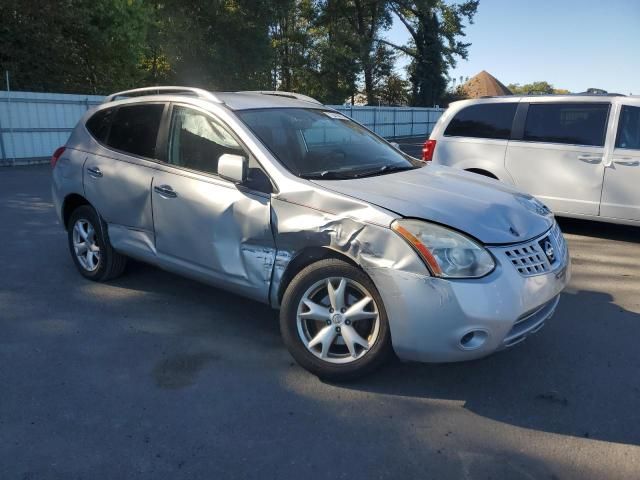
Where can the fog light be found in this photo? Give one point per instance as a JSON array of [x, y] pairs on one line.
[[473, 339]]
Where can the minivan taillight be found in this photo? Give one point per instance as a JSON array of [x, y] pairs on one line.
[[56, 156], [427, 150]]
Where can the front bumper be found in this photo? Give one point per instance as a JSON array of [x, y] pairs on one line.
[[432, 319]]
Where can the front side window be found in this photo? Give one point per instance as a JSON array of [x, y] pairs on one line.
[[628, 135], [568, 123], [197, 141], [134, 129], [314, 143], [484, 120]]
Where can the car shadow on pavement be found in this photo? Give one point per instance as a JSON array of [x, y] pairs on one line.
[[578, 376]]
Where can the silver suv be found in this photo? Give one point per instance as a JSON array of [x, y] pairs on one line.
[[275, 197]]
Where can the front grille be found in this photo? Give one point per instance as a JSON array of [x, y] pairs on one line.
[[532, 258], [529, 259]]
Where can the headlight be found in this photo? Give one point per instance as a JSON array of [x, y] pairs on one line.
[[446, 252]]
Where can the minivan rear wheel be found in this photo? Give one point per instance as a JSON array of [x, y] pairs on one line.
[[333, 321], [90, 248]]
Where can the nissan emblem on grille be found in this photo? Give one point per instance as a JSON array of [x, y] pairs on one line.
[[548, 250]]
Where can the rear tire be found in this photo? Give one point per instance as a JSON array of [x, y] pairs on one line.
[[90, 247], [333, 321]]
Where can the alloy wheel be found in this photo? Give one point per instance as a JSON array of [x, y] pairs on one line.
[[338, 320], [85, 245]]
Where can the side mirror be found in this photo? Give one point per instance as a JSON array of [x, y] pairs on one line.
[[233, 167], [395, 145]]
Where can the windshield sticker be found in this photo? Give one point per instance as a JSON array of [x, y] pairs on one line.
[[336, 115]]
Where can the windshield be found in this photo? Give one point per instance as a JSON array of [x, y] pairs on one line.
[[314, 143]]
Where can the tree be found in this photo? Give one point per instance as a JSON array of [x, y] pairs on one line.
[[219, 44], [393, 90], [535, 88], [435, 28], [366, 19], [72, 45]]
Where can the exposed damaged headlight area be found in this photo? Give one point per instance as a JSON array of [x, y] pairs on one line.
[[299, 229]]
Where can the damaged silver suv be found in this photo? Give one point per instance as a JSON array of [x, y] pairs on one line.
[[273, 196]]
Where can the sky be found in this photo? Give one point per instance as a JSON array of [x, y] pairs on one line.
[[571, 44]]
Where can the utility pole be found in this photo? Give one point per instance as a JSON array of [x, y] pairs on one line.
[[13, 146]]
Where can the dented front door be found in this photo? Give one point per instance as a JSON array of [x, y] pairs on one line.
[[214, 230]]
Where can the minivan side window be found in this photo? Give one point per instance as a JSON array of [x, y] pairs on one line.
[[568, 123], [628, 135], [98, 125], [134, 129], [485, 120]]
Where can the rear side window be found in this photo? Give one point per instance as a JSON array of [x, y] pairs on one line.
[[98, 125], [628, 135], [487, 120], [570, 123], [134, 129]]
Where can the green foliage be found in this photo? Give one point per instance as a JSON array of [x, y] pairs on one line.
[[72, 45], [330, 49], [393, 90], [535, 88]]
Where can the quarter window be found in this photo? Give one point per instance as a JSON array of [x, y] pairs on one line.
[[485, 120], [197, 141], [135, 129], [569, 123], [628, 135]]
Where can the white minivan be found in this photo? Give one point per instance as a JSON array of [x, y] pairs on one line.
[[579, 154]]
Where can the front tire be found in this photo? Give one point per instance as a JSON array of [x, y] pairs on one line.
[[333, 321], [90, 247]]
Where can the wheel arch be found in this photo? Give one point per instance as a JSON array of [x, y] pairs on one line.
[[300, 261], [482, 171], [70, 203]]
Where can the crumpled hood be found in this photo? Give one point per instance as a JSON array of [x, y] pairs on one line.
[[488, 210]]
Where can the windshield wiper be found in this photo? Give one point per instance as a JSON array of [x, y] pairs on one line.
[[326, 175], [350, 174], [383, 170]]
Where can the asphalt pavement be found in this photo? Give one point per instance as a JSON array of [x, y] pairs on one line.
[[157, 377]]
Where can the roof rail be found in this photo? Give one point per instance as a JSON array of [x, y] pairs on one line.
[[198, 92], [280, 93]]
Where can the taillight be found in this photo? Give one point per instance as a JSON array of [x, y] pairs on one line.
[[56, 156], [427, 150]]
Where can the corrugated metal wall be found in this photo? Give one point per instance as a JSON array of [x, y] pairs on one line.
[[393, 122], [33, 125]]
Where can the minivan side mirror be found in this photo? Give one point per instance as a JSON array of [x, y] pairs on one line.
[[233, 167]]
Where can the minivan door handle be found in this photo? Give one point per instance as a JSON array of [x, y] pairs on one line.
[[95, 172], [590, 158], [165, 191]]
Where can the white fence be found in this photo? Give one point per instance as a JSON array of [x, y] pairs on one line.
[[393, 122], [33, 125]]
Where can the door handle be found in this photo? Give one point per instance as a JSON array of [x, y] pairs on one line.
[[627, 161], [165, 191], [590, 158], [95, 172]]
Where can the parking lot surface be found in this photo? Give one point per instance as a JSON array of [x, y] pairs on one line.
[[155, 376]]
